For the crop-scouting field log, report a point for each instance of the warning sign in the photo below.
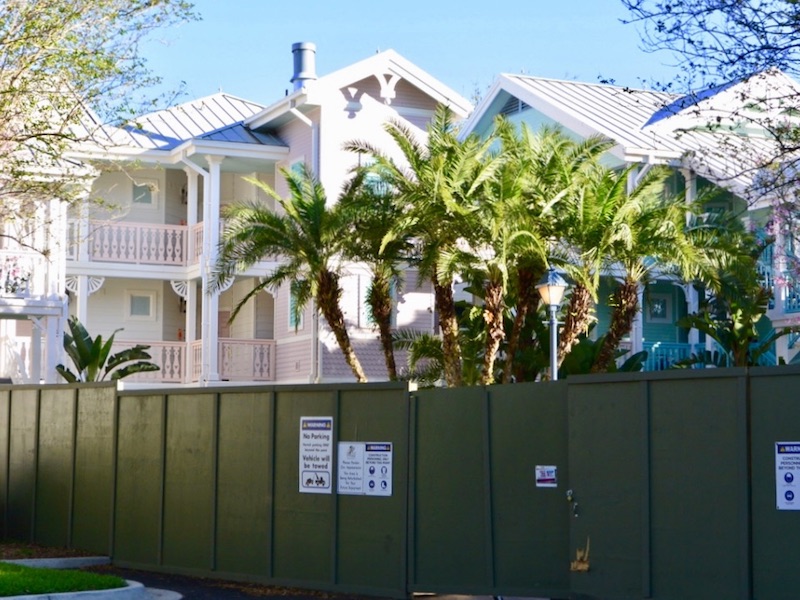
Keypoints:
(787, 472)
(365, 468)
(316, 454)
(546, 476)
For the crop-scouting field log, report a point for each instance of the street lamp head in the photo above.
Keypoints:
(552, 287)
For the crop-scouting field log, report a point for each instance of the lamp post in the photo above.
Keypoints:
(552, 287)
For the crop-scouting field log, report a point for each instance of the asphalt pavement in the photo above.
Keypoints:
(198, 588)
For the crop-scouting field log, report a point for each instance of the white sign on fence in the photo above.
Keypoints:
(316, 455)
(546, 476)
(787, 475)
(365, 468)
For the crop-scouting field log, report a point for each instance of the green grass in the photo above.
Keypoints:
(16, 580)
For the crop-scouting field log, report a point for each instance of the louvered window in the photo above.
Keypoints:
(513, 106)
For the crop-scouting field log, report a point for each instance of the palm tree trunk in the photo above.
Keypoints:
(328, 297)
(493, 315)
(527, 298)
(380, 303)
(448, 322)
(576, 321)
(626, 305)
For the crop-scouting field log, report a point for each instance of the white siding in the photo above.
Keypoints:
(243, 325)
(341, 126)
(415, 305)
(406, 95)
(282, 328)
(174, 208)
(112, 196)
(108, 310)
(298, 136)
(265, 316)
(174, 320)
(293, 361)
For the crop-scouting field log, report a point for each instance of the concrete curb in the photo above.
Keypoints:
(134, 590)
(61, 563)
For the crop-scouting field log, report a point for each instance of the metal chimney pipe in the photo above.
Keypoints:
(304, 54)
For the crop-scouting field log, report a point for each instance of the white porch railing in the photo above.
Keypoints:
(22, 273)
(247, 360)
(181, 362)
(137, 243)
(196, 364)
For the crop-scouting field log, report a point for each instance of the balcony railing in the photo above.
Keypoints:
(181, 362)
(136, 243)
(791, 297)
(662, 355)
(246, 360)
(22, 273)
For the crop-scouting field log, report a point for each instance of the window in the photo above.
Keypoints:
(659, 308)
(295, 319)
(142, 194)
(145, 193)
(141, 305)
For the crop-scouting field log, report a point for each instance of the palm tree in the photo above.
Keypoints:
(588, 238)
(502, 230)
(647, 232)
(92, 357)
(551, 166)
(307, 237)
(370, 213)
(737, 299)
(436, 191)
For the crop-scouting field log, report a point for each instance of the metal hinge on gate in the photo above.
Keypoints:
(581, 562)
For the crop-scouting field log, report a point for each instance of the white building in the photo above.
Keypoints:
(138, 254)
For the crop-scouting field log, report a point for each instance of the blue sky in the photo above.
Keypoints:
(244, 46)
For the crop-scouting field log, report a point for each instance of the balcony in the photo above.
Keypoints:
(26, 274)
(180, 362)
(662, 355)
(135, 243)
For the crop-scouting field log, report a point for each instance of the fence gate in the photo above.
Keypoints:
(478, 521)
(608, 492)
(659, 472)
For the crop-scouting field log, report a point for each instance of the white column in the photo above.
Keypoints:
(692, 307)
(83, 232)
(36, 349)
(637, 331)
(191, 208)
(54, 349)
(689, 291)
(210, 310)
(191, 312)
(82, 299)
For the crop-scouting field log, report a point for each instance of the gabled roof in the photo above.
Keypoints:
(387, 62)
(711, 132)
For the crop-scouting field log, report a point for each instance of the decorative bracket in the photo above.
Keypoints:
(180, 287)
(388, 83)
(95, 283)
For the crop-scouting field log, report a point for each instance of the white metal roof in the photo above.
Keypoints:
(218, 117)
(662, 127)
